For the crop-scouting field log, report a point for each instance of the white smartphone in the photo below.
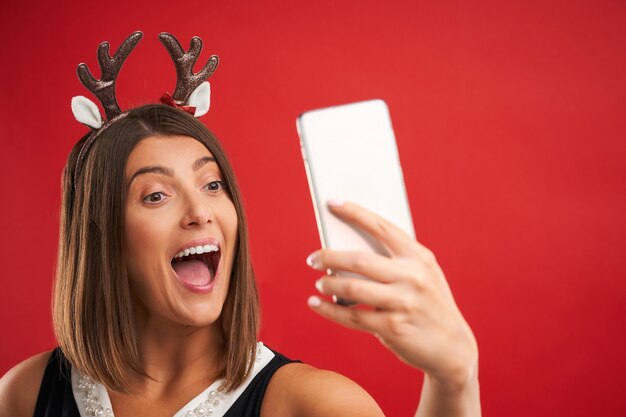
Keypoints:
(350, 154)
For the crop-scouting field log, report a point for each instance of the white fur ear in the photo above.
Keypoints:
(201, 99)
(86, 112)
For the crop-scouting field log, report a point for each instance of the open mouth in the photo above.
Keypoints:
(197, 266)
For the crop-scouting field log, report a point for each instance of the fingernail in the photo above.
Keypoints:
(314, 301)
(313, 261)
(319, 285)
(335, 202)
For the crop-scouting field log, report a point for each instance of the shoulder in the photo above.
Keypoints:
(301, 390)
(20, 386)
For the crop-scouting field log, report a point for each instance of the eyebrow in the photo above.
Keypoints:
(158, 169)
(202, 162)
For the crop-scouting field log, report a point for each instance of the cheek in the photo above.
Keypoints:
(231, 225)
(143, 240)
(228, 224)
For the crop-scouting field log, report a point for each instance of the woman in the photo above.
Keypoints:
(155, 307)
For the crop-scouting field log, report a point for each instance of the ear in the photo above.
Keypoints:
(201, 99)
(86, 112)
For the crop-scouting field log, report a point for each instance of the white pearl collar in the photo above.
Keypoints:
(93, 399)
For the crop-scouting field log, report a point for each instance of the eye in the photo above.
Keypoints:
(214, 186)
(154, 198)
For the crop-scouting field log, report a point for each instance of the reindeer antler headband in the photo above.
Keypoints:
(192, 94)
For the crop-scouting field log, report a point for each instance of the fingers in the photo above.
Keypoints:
(377, 267)
(361, 291)
(366, 320)
(396, 240)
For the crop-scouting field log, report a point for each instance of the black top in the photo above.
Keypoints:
(57, 400)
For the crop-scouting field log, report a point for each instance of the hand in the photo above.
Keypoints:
(412, 309)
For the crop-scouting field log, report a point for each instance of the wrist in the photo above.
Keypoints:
(456, 380)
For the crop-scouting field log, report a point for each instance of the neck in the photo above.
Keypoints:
(172, 355)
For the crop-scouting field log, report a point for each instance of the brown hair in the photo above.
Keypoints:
(92, 310)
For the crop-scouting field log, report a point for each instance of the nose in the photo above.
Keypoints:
(197, 212)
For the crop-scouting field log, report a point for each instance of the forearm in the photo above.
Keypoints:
(439, 399)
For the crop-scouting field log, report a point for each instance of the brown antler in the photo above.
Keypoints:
(186, 80)
(104, 88)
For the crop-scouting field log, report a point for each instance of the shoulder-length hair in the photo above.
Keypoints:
(91, 306)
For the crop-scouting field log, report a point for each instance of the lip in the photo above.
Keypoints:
(199, 289)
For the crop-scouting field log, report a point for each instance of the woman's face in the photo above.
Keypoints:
(181, 231)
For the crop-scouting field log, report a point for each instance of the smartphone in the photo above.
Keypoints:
(350, 154)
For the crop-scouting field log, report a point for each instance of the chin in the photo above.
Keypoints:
(201, 316)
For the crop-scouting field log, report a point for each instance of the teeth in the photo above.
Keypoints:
(197, 250)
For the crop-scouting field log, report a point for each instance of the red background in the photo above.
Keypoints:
(509, 117)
